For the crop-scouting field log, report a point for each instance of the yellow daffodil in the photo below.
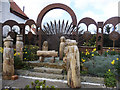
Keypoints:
(117, 58)
(15, 54)
(113, 49)
(113, 62)
(92, 54)
(107, 51)
(83, 60)
(18, 53)
(94, 49)
(25, 52)
(109, 70)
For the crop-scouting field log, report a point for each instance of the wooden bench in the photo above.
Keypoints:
(43, 54)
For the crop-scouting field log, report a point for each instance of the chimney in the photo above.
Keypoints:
(23, 8)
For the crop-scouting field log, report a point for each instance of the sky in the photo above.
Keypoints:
(99, 10)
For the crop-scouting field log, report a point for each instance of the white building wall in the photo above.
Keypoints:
(5, 13)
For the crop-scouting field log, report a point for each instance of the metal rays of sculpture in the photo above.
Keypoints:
(60, 28)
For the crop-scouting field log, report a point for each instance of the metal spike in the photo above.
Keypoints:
(67, 31)
(59, 26)
(55, 27)
(52, 28)
(49, 28)
(47, 31)
(66, 26)
(62, 27)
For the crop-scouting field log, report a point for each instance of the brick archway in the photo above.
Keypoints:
(56, 6)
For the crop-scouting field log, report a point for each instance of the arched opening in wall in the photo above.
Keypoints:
(57, 21)
(99, 30)
(107, 29)
(33, 29)
(6, 30)
(81, 29)
(117, 30)
(92, 28)
(92, 39)
(99, 47)
(16, 29)
(27, 29)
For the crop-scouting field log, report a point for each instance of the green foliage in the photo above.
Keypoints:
(107, 29)
(117, 67)
(106, 53)
(109, 79)
(37, 85)
(91, 42)
(98, 65)
(27, 87)
(112, 52)
(19, 64)
(30, 53)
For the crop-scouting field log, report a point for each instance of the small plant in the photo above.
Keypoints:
(109, 79)
(27, 87)
(37, 85)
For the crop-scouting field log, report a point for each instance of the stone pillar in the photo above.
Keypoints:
(19, 46)
(45, 46)
(61, 48)
(8, 58)
(73, 65)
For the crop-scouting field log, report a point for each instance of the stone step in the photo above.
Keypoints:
(47, 70)
(59, 76)
(92, 79)
(41, 75)
(48, 65)
(46, 75)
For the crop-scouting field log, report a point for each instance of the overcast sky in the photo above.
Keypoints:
(99, 10)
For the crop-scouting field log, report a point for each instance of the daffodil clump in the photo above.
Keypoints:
(30, 53)
(1, 49)
(87, 55)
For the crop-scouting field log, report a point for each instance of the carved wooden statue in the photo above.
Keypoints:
(19, 46)
(66, 50)
(45, 46)
(73, 65)
(61, 48)
(8, 58)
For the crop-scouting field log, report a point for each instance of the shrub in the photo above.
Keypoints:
(19, 64)
(30, 53)
(109, 79)
(98, 65)
(117, 67)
